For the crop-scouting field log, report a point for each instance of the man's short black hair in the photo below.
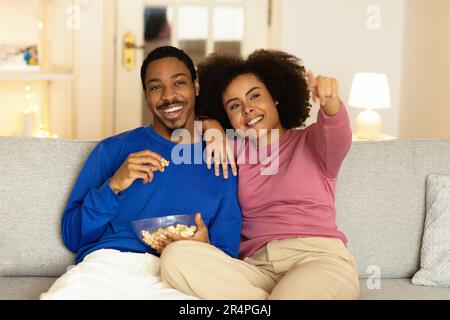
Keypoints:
(168, 52)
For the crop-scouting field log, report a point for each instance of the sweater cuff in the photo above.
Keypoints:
(110, 193)
(103, 199)
(337, 120)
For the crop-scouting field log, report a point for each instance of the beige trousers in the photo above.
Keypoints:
(289, 269)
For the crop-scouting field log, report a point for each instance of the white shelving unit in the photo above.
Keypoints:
(54, 77)
(24, 76)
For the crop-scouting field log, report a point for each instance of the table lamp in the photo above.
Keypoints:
(369, 91)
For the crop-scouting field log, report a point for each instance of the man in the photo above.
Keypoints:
(124, 179)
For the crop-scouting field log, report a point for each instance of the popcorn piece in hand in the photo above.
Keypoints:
(165, 163)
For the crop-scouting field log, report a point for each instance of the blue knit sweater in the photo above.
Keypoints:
(96, 218)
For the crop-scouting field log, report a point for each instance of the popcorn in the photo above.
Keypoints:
(181, 230)
(165, 163)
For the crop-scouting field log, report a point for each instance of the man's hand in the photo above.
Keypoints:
(139, 165)
(162, 241)
(326, 91)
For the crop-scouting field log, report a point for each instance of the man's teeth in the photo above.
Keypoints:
(258, 119)
(173, 109)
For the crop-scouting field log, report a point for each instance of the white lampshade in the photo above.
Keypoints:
(370, 91)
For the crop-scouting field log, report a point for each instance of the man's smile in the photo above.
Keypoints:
(172, 109)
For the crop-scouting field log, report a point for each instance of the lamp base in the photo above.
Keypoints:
(368, 125)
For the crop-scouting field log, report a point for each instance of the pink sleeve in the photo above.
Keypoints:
(330, 138)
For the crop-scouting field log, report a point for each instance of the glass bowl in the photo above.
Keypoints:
(148, 226)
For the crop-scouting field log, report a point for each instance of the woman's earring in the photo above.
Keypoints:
(277, 103)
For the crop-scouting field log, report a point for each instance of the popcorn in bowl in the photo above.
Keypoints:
(181, 225)
(181, 230)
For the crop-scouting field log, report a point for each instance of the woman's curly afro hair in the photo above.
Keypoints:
(283, 74)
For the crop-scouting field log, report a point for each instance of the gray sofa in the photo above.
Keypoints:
(380, 201)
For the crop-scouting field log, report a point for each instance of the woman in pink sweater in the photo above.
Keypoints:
(291, 247)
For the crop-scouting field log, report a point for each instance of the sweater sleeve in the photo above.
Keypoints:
(330, 138)
(225, 229)
(92, 203)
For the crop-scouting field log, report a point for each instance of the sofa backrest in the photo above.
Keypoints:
(36, 178)
(380, 201)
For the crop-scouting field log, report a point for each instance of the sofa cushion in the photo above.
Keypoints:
(36, 178)
(30, 288)
(402, 289)
(435, 253)
(24, 288)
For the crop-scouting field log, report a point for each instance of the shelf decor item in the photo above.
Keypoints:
(19, 57)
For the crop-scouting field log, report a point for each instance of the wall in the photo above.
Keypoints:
(257, 8)
(94, 65)
(109, 36)
(412, 48)
(332, 38)
(426, 70)
(19, 15)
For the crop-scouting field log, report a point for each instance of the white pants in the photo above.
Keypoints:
(108, 274)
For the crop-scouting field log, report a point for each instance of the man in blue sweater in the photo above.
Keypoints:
(124, 180)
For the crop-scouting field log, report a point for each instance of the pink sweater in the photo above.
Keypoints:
(299, 200)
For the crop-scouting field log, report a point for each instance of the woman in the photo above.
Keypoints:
(291, 247)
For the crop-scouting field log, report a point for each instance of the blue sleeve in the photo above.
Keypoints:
(225, 230)
(92, 203)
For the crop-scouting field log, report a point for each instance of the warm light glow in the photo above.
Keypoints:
(370, 91)
(42, 133)
(369, 125)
